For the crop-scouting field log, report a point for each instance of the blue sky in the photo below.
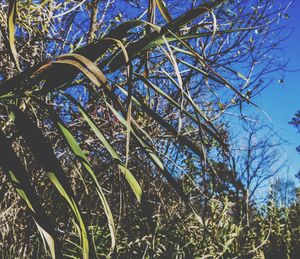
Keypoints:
(281, 101)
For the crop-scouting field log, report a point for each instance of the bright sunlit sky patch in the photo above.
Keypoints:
(281, 101)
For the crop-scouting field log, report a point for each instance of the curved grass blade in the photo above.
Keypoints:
(135, 186)
(15, 171)
(12, 11)
(163, 10)
(79, 62)
(45, 156)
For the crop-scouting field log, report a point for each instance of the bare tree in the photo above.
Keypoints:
(256, 156)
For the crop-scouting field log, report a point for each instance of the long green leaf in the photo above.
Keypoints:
(12, 11)
(135, 186)
(163, 10)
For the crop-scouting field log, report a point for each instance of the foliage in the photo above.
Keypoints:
(125, 120)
